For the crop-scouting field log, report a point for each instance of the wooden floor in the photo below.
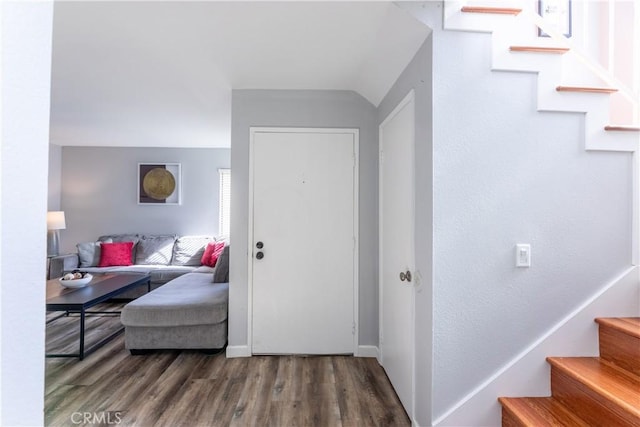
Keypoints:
(189, 388)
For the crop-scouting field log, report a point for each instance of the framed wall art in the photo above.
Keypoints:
(557, 13)
(159, 184)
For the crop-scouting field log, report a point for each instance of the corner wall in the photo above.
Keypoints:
(99, 192)
(302, 108)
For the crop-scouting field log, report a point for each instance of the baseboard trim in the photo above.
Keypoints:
(527, 374)
(238, 351)
(368, 351)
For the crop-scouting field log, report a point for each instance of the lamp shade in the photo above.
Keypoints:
(55, 220)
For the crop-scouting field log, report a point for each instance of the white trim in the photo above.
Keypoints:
(410, 97)
(356, 220)
(238, 351)
(574, 335)
(368, 351)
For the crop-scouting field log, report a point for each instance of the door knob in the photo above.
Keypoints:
(405, 276)
(259, 255)
(259, 245)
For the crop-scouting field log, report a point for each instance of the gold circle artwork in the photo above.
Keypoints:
(159, 183)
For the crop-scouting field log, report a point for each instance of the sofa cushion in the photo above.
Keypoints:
(190, 299)
(155, 250)
(120, 238)
(221, 273)
(115, 254)
(142, 269)
(89, 253)
(188, 250)
(165, 273)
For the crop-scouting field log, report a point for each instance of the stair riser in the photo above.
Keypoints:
(620, 348)
(587, 404)
(509, 420)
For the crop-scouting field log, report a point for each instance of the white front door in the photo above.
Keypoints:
(397, 257)
(303, 240)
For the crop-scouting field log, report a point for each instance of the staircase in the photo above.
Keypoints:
(588, 391)
(515, 47)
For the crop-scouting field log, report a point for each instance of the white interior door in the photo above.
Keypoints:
(397, 256)
(304, 226)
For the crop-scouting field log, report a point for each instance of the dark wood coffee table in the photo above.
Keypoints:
(79, 300)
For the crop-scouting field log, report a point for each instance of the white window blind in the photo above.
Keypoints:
(225, 202)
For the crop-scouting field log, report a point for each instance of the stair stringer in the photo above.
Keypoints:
(527, 374)
(507, 30)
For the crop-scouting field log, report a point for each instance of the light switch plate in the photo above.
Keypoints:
(523, 255)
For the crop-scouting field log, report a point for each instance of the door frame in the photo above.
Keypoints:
(410, 97)
(356, 220)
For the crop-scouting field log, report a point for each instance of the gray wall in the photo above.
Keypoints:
(99, 192)
(55, 177)
(417, 76)
(504, 174)
(339, 109)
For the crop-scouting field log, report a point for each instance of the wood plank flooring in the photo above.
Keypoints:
(189, 388)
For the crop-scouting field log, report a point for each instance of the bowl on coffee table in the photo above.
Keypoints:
(75, 283)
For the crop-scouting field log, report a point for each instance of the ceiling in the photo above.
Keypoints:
(160, 74)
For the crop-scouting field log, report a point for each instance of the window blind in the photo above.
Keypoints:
(225, 202)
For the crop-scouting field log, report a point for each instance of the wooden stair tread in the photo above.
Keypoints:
(614, 384)
(586, 89)
(495, 10)
(622, 128)
(539, 49)
(540, 411)
(628, 325)
(619, 342)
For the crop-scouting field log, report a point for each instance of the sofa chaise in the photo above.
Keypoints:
(188, 312)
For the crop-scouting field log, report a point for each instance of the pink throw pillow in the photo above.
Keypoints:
(212, 253)
(115, 254)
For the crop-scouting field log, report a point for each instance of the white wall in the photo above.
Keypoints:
(341, 109)
(505, 174)
(417, 76)
(26, 66)
(99, 192)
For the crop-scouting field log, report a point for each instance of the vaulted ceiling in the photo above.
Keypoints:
(161, 73)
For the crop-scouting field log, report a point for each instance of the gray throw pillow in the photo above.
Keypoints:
(154, 250)
(89, 253)
(221, 273)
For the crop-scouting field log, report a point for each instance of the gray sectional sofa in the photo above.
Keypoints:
(188, 304)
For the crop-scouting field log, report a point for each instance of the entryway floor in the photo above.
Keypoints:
(189, 388)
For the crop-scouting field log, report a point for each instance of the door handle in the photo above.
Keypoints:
(260, 255)
(259, 245)
(405, 276)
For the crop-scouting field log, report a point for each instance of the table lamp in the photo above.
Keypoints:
(55, 222)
